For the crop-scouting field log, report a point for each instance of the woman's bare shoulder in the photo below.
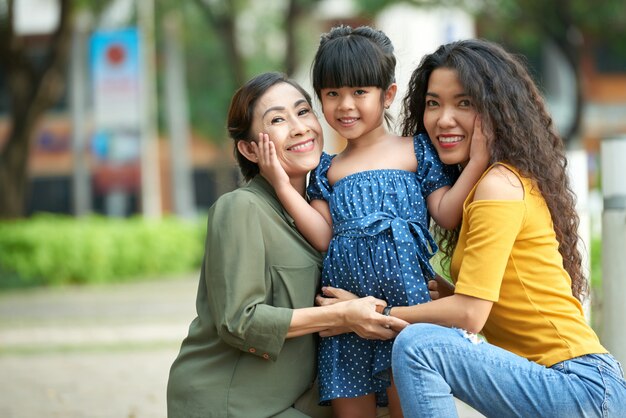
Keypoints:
(499, 183)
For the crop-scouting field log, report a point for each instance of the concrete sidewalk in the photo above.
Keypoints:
(96, 351)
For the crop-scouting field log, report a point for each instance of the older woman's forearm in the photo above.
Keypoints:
(358, 315)
(310, 320)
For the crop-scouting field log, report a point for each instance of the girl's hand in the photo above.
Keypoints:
(269, 165)
(433, 289)
(337, 294)
(438, 287)
(479, 152)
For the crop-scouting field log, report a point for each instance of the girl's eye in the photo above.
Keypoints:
(360, 92)
(331, 94)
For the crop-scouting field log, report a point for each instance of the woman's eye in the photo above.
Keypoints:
(302, 112)
(277, 119)
(431, 103)
(465, 103)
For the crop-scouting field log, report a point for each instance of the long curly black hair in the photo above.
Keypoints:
(514, 114)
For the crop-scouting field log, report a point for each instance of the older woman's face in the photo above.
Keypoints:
(286, 116)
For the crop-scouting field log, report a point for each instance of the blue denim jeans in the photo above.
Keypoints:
(433, 364)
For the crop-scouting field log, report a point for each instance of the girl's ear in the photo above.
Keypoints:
(246, 149)
(390, 94)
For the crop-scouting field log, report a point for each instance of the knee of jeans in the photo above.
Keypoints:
(417, 335)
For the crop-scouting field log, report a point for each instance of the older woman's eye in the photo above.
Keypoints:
(277, 119)
(304, 111)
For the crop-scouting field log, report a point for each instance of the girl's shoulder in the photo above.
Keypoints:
(325, 162)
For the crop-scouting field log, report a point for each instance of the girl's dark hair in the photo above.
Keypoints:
(513, 113)
(348, 57)
(241, 114)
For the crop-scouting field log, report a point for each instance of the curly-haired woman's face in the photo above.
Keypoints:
(449, 116)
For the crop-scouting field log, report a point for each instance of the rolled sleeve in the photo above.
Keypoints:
(236, 275)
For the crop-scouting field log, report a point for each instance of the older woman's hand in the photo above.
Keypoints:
(360, 316)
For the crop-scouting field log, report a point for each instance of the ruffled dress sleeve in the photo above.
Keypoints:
(431, 172)
(319, 187)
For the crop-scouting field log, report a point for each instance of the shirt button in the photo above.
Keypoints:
(252, 350)
(266, 356)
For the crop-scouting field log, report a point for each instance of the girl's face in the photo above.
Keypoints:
(355, 111)
(285, 115)
(449, 116)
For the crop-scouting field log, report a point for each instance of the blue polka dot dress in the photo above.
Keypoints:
(381, 247)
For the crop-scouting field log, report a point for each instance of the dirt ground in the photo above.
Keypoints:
(97, 351)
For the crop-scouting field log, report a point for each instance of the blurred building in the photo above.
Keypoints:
(413, 31)
(51, 160)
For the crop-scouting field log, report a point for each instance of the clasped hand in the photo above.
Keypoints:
(360, 315)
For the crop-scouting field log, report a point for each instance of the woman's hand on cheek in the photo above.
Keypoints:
(269, 166)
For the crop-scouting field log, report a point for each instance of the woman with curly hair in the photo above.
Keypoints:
(515, 261)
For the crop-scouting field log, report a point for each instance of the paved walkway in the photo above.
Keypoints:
(97, 351)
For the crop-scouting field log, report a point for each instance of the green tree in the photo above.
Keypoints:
(34, 84)
(572, 26)
(33, 88)
(218, 64)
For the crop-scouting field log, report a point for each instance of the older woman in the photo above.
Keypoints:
(251, 350)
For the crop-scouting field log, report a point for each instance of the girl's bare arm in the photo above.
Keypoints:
(312, 220)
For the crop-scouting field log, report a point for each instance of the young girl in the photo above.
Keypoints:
(372, 200)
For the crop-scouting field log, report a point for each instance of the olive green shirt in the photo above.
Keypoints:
(235, 361)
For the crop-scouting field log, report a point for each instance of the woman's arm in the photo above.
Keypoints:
(445, 205)
(458, 311)
(314, 225)
(356, 315)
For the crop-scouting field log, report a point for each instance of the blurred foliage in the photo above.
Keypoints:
(60, 250)
(209, 78)
(263, 40)
(596, 264)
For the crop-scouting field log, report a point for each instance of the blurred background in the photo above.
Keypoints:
(113, 142)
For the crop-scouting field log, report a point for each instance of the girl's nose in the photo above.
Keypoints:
(346, 102)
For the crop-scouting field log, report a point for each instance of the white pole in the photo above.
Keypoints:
(177, 119)
(613, 154)
(81, 182)
(577, 169)
(150, 173)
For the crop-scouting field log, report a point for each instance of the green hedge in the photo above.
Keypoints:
(59, 250)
